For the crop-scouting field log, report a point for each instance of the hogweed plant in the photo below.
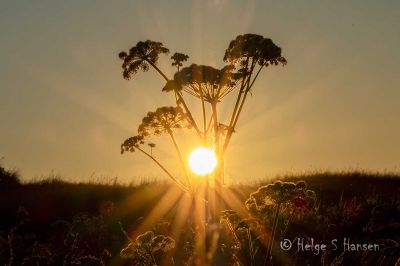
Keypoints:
(246, 56)
(290, 197)
(149, 249)
(205, 88)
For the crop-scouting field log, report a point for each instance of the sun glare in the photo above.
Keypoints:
(202, 161)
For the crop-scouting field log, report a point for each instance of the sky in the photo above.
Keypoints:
(65, 108)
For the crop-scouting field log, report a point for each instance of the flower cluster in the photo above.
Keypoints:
(178, 58)
(163, 120)
(148, 248)
(294, 196)
(131, 143)
(140, 56)
(261, 50)
(204, 81)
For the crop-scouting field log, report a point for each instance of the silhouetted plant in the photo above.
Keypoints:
(148, 249)
(163, 121)
(245, 57)
(294, 197)
(178, 58)
(134, 143)
(245, 233)
(8, 179)
(141, 56)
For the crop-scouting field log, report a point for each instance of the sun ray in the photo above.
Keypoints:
(163, 206)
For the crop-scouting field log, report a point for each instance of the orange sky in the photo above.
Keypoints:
(65, 109)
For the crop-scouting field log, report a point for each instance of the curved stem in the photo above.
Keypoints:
(192, 121)
(271, 239)
(157, 69)
(183, 187)
(178, 151)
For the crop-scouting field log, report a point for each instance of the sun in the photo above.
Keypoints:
(202, 161)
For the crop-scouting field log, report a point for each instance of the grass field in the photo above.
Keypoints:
(59, 223)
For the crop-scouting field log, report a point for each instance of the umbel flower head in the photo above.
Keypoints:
(295, 195)
(178, 58)
(146, 245)
(131, 143)
(256, 47)
(200, 80)
(140, 56)
(163, 120)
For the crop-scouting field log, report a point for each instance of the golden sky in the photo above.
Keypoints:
(65, 108)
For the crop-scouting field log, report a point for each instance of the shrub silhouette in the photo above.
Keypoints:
(8, 179)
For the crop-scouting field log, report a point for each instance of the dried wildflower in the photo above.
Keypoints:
(204, 82)
(144, 238)
(261, 50)
(178, 58)
(140, 57)
(290, 196)
(131, 143)
(146, 246)
(163, 120)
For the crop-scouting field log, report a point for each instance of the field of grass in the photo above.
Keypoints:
(59, 223)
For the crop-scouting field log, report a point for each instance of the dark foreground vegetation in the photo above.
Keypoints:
(58, 223)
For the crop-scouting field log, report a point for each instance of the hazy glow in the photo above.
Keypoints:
(299, 118)
(202, 161)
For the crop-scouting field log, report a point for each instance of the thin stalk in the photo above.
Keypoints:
(216, 131)
(209, 124)
(183, 187)
(193, 122)
(238, 100)
(239, 96)
(178, 151)
(250, 247)
(176, 99)
(218, 171)
(204, 114)
(152, 256)
(230, 227)
(258, 72)
(232, 127)
(157, 69)
(271, 240)
(245, 95)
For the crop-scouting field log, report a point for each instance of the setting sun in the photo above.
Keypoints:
(202, 161)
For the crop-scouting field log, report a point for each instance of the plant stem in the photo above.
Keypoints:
(245, 95)
(156, 68)
(218, 172)
(192, 121)
(204, 115)
(238, 97)
(271, 240)
(232, 127)
(171, 134)
(183, 187)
